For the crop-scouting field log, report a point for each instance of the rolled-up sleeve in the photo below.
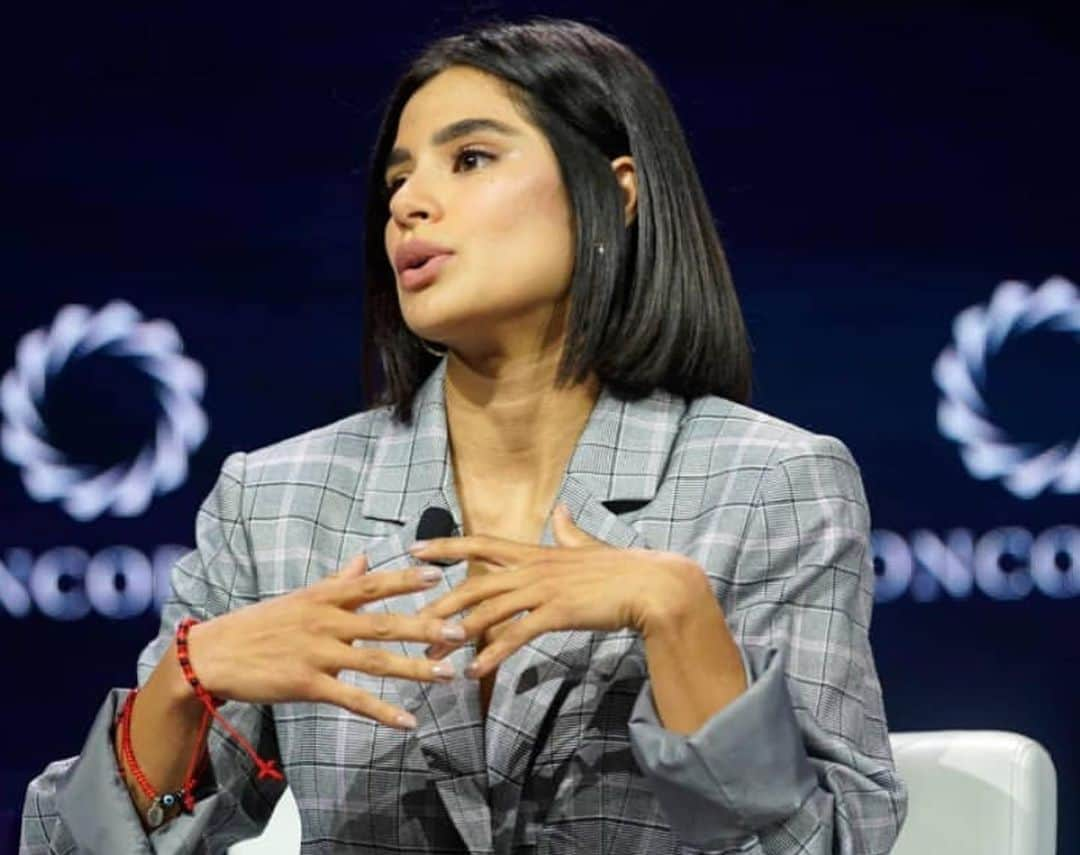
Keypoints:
(82, 804)
(801, 761)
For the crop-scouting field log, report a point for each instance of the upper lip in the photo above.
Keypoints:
(416, 251)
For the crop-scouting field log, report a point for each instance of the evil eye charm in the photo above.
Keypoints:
(155, 814)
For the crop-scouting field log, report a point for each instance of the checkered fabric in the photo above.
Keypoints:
(572, 756)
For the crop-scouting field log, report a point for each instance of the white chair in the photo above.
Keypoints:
(281, 835)
(971, 792)
(976, 792)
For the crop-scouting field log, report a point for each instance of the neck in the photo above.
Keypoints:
(511, 428)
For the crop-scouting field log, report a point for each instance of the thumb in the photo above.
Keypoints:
(566, 531)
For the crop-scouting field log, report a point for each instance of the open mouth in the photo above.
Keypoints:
(425, 272)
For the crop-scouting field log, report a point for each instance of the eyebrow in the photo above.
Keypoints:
(460, 128)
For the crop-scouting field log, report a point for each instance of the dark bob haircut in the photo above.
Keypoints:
(657, 308)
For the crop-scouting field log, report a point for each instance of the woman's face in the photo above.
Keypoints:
(496, 199)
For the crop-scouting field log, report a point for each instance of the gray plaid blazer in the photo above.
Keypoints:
(572, 757)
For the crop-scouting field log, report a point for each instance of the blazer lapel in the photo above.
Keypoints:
(450, 725)
(479, 767)
(409, 473)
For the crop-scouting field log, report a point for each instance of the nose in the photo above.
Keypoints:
(412, 202)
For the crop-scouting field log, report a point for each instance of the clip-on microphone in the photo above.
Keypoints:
(435, 521)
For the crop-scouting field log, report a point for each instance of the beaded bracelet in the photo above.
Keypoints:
(266, 767)
(182, 630)
(160, 802)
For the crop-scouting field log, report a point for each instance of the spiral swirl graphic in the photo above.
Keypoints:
(126, 489)
(960, 373)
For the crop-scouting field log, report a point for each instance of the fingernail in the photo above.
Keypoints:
(418, 545)
(431, 574)
(472, 668)
(443, 669)
(453, 632)
(406, 720)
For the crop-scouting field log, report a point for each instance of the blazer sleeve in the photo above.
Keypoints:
(801, 761)
(81, 804)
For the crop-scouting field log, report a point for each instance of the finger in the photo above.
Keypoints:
(496, 610)
(566, 531)
(498, 630)
(350, 592)
(331, 690)
(387, 626)
(379, 662)
(484, 547)
(490, 634)
(515, 634)
(444, 648)
(475, 590)
(353, 568)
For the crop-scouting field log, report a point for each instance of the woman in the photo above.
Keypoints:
(665, 593)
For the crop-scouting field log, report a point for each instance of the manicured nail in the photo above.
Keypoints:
(406, 720)
(431, 574)
(443, 669)
(418, 546)
(453, 632)
(473, 668)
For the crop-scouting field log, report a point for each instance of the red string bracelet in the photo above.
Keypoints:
(160, 802)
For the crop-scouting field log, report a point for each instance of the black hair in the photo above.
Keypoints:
(657, 308)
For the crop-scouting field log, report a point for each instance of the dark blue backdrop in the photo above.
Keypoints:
(874, 169)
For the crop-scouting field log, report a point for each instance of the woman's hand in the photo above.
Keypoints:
(292, 647)
(582, 583)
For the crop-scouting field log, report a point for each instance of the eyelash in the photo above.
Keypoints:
(390, 188)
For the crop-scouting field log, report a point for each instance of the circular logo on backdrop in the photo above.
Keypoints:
(962, 372)
(157, 465)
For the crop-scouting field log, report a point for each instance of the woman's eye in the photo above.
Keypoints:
(460, 157)
(471, 152)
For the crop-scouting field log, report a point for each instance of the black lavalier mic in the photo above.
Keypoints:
(435, 522)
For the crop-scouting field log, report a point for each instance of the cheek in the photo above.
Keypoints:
(524, 223)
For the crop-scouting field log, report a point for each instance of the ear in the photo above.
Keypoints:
(626, 175)
(566, 531)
